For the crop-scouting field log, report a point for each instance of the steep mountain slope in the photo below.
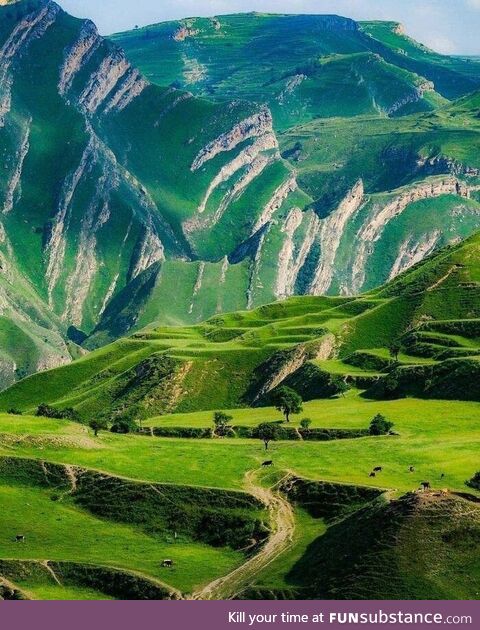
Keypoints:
(103, 178)
(306, 66)
(235, 359)
(126, 204)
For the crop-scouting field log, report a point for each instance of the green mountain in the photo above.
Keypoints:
(126, 204)
(103, 179)
(432, 311)
(306, 66)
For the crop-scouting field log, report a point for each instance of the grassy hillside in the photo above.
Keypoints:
(430, 310)
(408, 549)
(438, 440)
(301, 61)
(175, 486)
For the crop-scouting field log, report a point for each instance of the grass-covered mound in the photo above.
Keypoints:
(328, 501)
(219, 518)
(69, 580)
(422, 546)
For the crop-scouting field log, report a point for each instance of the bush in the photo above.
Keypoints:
(15, 412)
(46, 411)
(121, 427)
(474, 481)
(380, 426)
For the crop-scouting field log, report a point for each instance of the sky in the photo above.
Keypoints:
(448, 26)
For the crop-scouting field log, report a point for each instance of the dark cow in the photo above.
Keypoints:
(372, 474)
(426, 485)
(267, 464)
(20, 538)
(442, 476)
(378, 469)
(411, 469)
(167, 564)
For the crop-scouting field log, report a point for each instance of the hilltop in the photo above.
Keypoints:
(300, 62)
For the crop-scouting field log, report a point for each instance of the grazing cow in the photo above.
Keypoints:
(372, 474)
(20, 538)
(426, 485)
(442, 476)
(167, 564)
(378, 469)
(411, 469)
(267, 464)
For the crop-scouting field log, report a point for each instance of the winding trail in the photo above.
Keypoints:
(281, 539)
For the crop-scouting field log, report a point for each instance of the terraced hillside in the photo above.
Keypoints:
(111, 509)
(431, 311)
(91, 533)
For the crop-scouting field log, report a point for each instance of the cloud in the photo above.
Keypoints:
(474, 4)
(441, 44)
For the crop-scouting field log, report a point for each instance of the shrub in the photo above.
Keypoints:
(15, 412)
(380, 425)
(46, 411)
(474, 481)
(121, 427)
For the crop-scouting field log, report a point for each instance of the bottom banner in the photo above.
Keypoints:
(231, 615)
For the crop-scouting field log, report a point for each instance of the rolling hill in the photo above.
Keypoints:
(306, 66)
(318, 524)
(238, 358)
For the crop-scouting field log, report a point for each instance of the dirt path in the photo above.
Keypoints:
(52, 572)
(283, 527)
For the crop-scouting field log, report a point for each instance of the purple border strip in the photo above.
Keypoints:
(190, 615)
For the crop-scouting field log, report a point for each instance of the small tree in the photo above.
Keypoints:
(268, 432)
(122, 427)
(98, 425)
(306, 424)
(340, 385)
(380, 425)
(287, 401)
(394, 350)
(221, 421)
